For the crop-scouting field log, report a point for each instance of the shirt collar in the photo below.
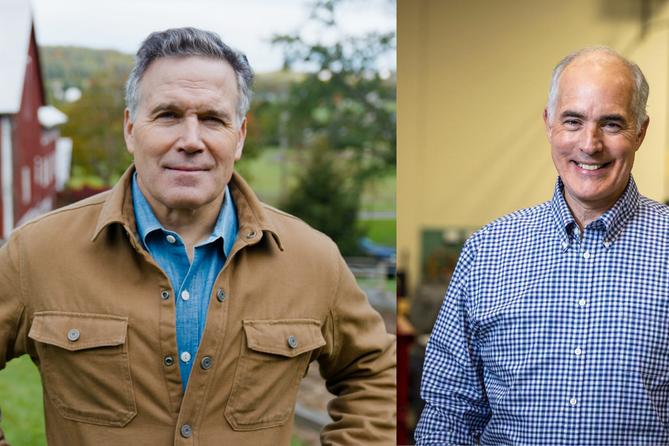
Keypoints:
(147, 222)
(612, 221)
(254, 221)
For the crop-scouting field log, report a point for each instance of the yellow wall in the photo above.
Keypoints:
(473, 77)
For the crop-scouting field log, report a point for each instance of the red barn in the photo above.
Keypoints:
(27, 145)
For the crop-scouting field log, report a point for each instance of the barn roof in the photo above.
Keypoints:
(15, 33)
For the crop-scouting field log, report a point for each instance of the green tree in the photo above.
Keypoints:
(341, 112)
(95, 124)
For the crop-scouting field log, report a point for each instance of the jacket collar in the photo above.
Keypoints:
(252, 217)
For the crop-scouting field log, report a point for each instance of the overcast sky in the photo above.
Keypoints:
(247, 25)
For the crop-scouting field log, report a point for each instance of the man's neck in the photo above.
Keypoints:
(192, 225)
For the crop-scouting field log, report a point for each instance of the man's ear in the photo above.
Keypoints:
(547, 124)
(642, 132)
(128, 127)
(240, 142)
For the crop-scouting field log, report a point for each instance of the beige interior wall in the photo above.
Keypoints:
(472, 82)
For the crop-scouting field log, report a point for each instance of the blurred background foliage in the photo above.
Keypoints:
(321, 133)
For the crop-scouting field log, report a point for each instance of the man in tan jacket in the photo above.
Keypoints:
(178, 309)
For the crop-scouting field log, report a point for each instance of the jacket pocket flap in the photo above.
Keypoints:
(78, 331)
(287, 337)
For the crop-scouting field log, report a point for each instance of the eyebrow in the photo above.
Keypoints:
(572, 114)
(208, 112)
(615, 117)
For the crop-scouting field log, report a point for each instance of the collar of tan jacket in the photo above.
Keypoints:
(255, 221)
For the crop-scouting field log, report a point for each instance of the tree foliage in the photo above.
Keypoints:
(343, 98)
(341, 113)
(95, 124)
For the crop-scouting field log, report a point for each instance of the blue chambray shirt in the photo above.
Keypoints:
(549, 335)
(192, 282)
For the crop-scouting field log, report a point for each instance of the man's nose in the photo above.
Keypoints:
(592, 139)
(191, 135)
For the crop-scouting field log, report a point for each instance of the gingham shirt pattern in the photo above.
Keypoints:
(550, 336)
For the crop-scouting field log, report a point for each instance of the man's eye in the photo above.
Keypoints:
(612, 127)
(212, 119)
(166, 115)
(571, 123)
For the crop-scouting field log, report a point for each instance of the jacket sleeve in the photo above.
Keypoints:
(359, 369)
(456, 406)
(12, 326)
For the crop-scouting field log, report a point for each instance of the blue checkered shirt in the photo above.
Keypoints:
(553, 336)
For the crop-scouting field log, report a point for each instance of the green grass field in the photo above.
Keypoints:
(21, 402)
(269, 178)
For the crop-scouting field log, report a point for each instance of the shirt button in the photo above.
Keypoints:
(582, 302)
(206, 363)
(168, 360)
(185, 295)
(292, 341)
(564, 245)
(73, 335)
(186, 431)
(164, 294)
(578, 351)
(573, 402)
(586, 255)
(170, 238)
(185, 357)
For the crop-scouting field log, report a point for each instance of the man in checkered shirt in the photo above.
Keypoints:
(555, 327)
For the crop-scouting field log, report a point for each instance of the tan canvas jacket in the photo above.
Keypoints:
(96, 314)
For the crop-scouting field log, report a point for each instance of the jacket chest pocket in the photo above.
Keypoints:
(274, 359)
(84, 366)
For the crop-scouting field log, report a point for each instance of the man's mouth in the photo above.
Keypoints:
(592, 166)
(186, 168)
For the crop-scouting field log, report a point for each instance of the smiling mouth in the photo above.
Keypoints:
(592, 166)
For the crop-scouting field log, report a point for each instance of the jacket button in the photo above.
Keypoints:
(220, 294)
(292, 341)
(168, 360)
(206, 363)
(251, 234)
(73, 335)
(186, 431)
(164, 294)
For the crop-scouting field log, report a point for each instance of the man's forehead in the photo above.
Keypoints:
(190, 72)
(597, 67)
(600, 78)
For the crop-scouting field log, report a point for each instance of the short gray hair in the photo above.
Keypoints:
(639, 94)
(185, 42)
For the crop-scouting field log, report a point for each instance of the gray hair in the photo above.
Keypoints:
(639, 94)
(185, 42)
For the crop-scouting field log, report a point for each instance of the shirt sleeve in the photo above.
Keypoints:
(359, 369)
(456, 409)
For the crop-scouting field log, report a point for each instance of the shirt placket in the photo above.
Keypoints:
(584, 258)
(188, 319)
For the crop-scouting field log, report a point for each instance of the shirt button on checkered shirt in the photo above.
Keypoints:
(553, 336)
